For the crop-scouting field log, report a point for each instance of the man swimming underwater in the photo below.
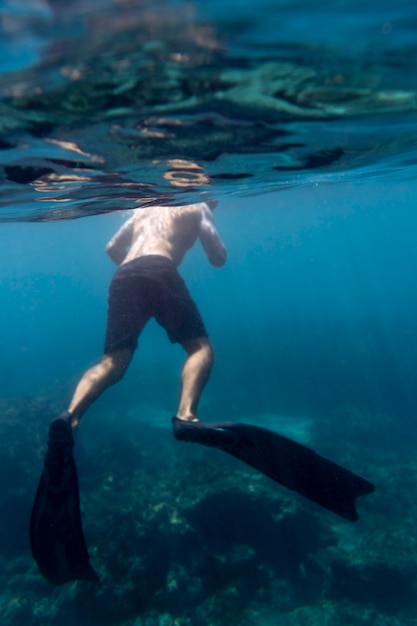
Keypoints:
(148, 248)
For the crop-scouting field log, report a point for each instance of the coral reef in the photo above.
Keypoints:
(181, 535)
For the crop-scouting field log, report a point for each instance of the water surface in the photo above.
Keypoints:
(113, 105)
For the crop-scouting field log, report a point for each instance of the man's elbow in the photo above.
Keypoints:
(109, 247)
(113, 254)
(219, 259)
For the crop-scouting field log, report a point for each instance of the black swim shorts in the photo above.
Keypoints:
(149, 286)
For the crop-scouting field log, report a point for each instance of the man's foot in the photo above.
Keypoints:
(59, 450)
(188, 418)
(288, 462)
(56, 534)
(214, 435)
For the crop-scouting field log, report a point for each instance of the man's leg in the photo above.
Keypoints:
(195, 373)
(96, 380)
(56, 533)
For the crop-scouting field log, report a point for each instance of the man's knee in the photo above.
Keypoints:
(113, 366)
(201, 346)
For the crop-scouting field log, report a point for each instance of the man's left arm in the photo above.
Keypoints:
(117, 246)
(213, 245)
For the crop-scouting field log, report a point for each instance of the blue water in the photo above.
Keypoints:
(312, 318)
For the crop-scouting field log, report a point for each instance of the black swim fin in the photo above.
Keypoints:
(291, 464)
(56, 534)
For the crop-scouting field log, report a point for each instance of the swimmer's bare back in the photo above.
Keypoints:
(167, 231)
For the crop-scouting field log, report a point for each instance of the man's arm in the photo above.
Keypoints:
(117, 246)
(213, 246)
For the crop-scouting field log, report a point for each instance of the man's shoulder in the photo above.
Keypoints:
(171, 214)
(193, 212)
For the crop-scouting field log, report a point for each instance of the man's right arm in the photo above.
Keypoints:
(213, 246)
(117, 246)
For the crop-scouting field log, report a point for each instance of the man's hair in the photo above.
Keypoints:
(212, 204)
